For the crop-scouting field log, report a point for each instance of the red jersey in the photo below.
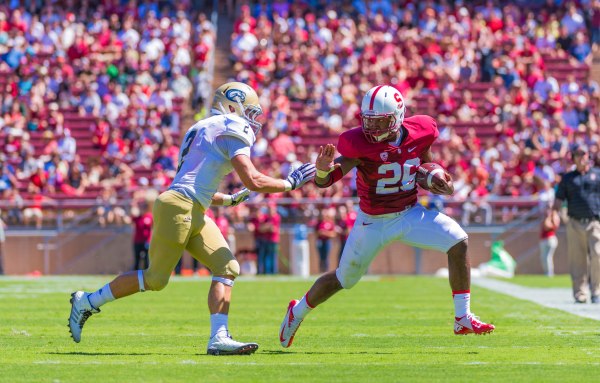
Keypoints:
(325, 226)
(273, 234)
(143, 228)
(386, 173)
(347, 223)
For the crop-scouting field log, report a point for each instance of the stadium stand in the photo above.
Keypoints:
(92, 97)
(509, 84)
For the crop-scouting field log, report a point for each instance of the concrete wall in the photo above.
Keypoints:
(107, 252)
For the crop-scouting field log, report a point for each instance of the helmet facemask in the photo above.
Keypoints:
(250, 114)
(379, 127)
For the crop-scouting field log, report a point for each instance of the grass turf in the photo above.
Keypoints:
(563, 280)
(387, 330)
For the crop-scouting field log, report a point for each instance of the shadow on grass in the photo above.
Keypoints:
(107, 353)
(287, 352)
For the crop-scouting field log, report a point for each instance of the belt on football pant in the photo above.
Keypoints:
(389, 215)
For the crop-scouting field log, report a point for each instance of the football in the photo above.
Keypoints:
(427, 172)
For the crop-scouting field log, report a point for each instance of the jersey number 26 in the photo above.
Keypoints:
(402, 176)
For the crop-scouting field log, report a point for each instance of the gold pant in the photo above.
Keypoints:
(180, 224)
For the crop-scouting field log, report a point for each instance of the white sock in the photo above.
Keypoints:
(302, 308)
(102, 296)
(462, 302)
(218, 323)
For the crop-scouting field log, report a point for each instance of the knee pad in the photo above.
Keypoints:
(222, 262)
(156, 282)
(232, 268)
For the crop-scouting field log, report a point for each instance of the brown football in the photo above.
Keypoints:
(427, 172)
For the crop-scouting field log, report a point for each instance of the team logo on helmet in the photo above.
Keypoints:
(384, 156)
(235, 95)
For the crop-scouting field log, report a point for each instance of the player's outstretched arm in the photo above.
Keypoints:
(222, 199)
(328, 174)
(259, 182)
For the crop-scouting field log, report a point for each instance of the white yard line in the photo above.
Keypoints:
(556, 298)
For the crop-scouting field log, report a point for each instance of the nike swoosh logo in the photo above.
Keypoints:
(281, 338)
(367, 223)
(411, 149)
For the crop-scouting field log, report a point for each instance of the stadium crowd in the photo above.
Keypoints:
(508, 84)
(91, 97)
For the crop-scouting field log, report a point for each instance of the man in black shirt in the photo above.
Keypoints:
(581, 189)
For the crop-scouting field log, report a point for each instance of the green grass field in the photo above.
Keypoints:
(383, 330)
(563, 280)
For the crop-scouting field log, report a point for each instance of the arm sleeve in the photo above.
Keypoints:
(231, 146)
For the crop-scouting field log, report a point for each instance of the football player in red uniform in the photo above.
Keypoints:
(387, 151)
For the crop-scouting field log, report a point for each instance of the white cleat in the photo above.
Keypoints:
(289, 326)
(81, 310)
(223, 344)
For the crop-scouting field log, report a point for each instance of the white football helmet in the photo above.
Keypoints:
(239, 98)
(381, 113)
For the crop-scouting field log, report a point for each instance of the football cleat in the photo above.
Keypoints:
(223, 344)
(470, 324)
(81, 310)
(289, 326)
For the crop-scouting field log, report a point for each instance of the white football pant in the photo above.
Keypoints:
(416, 226)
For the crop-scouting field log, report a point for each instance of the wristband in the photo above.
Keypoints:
(323, 173)
(227, 200)
(287, 185)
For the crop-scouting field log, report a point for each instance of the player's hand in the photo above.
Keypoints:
(325, 157)
(301, 175)
(438, 186)
(239, 197)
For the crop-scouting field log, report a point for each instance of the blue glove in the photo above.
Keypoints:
(302, 175)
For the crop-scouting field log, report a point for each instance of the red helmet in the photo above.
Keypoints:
(382, 113)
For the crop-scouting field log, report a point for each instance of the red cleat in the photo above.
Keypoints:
(289, 326)
(470, 324)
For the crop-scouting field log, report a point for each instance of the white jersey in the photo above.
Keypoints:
(206, 153)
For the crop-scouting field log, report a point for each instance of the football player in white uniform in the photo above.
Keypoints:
(212, 148)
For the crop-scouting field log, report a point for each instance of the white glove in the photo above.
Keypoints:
(302, 175)
(236, 198)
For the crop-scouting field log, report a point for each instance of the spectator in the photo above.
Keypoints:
(14, 215)
(476, 203)
(35, 210)
(580, 189)
(326, 231)
(66, 145)
(7, 178)
(581, 49)
(346, 220)
(549, 241)
(142, 223)
(269, 228)
(107, 211)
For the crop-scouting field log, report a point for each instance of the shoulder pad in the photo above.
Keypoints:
(348, 142)
(238, 127)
